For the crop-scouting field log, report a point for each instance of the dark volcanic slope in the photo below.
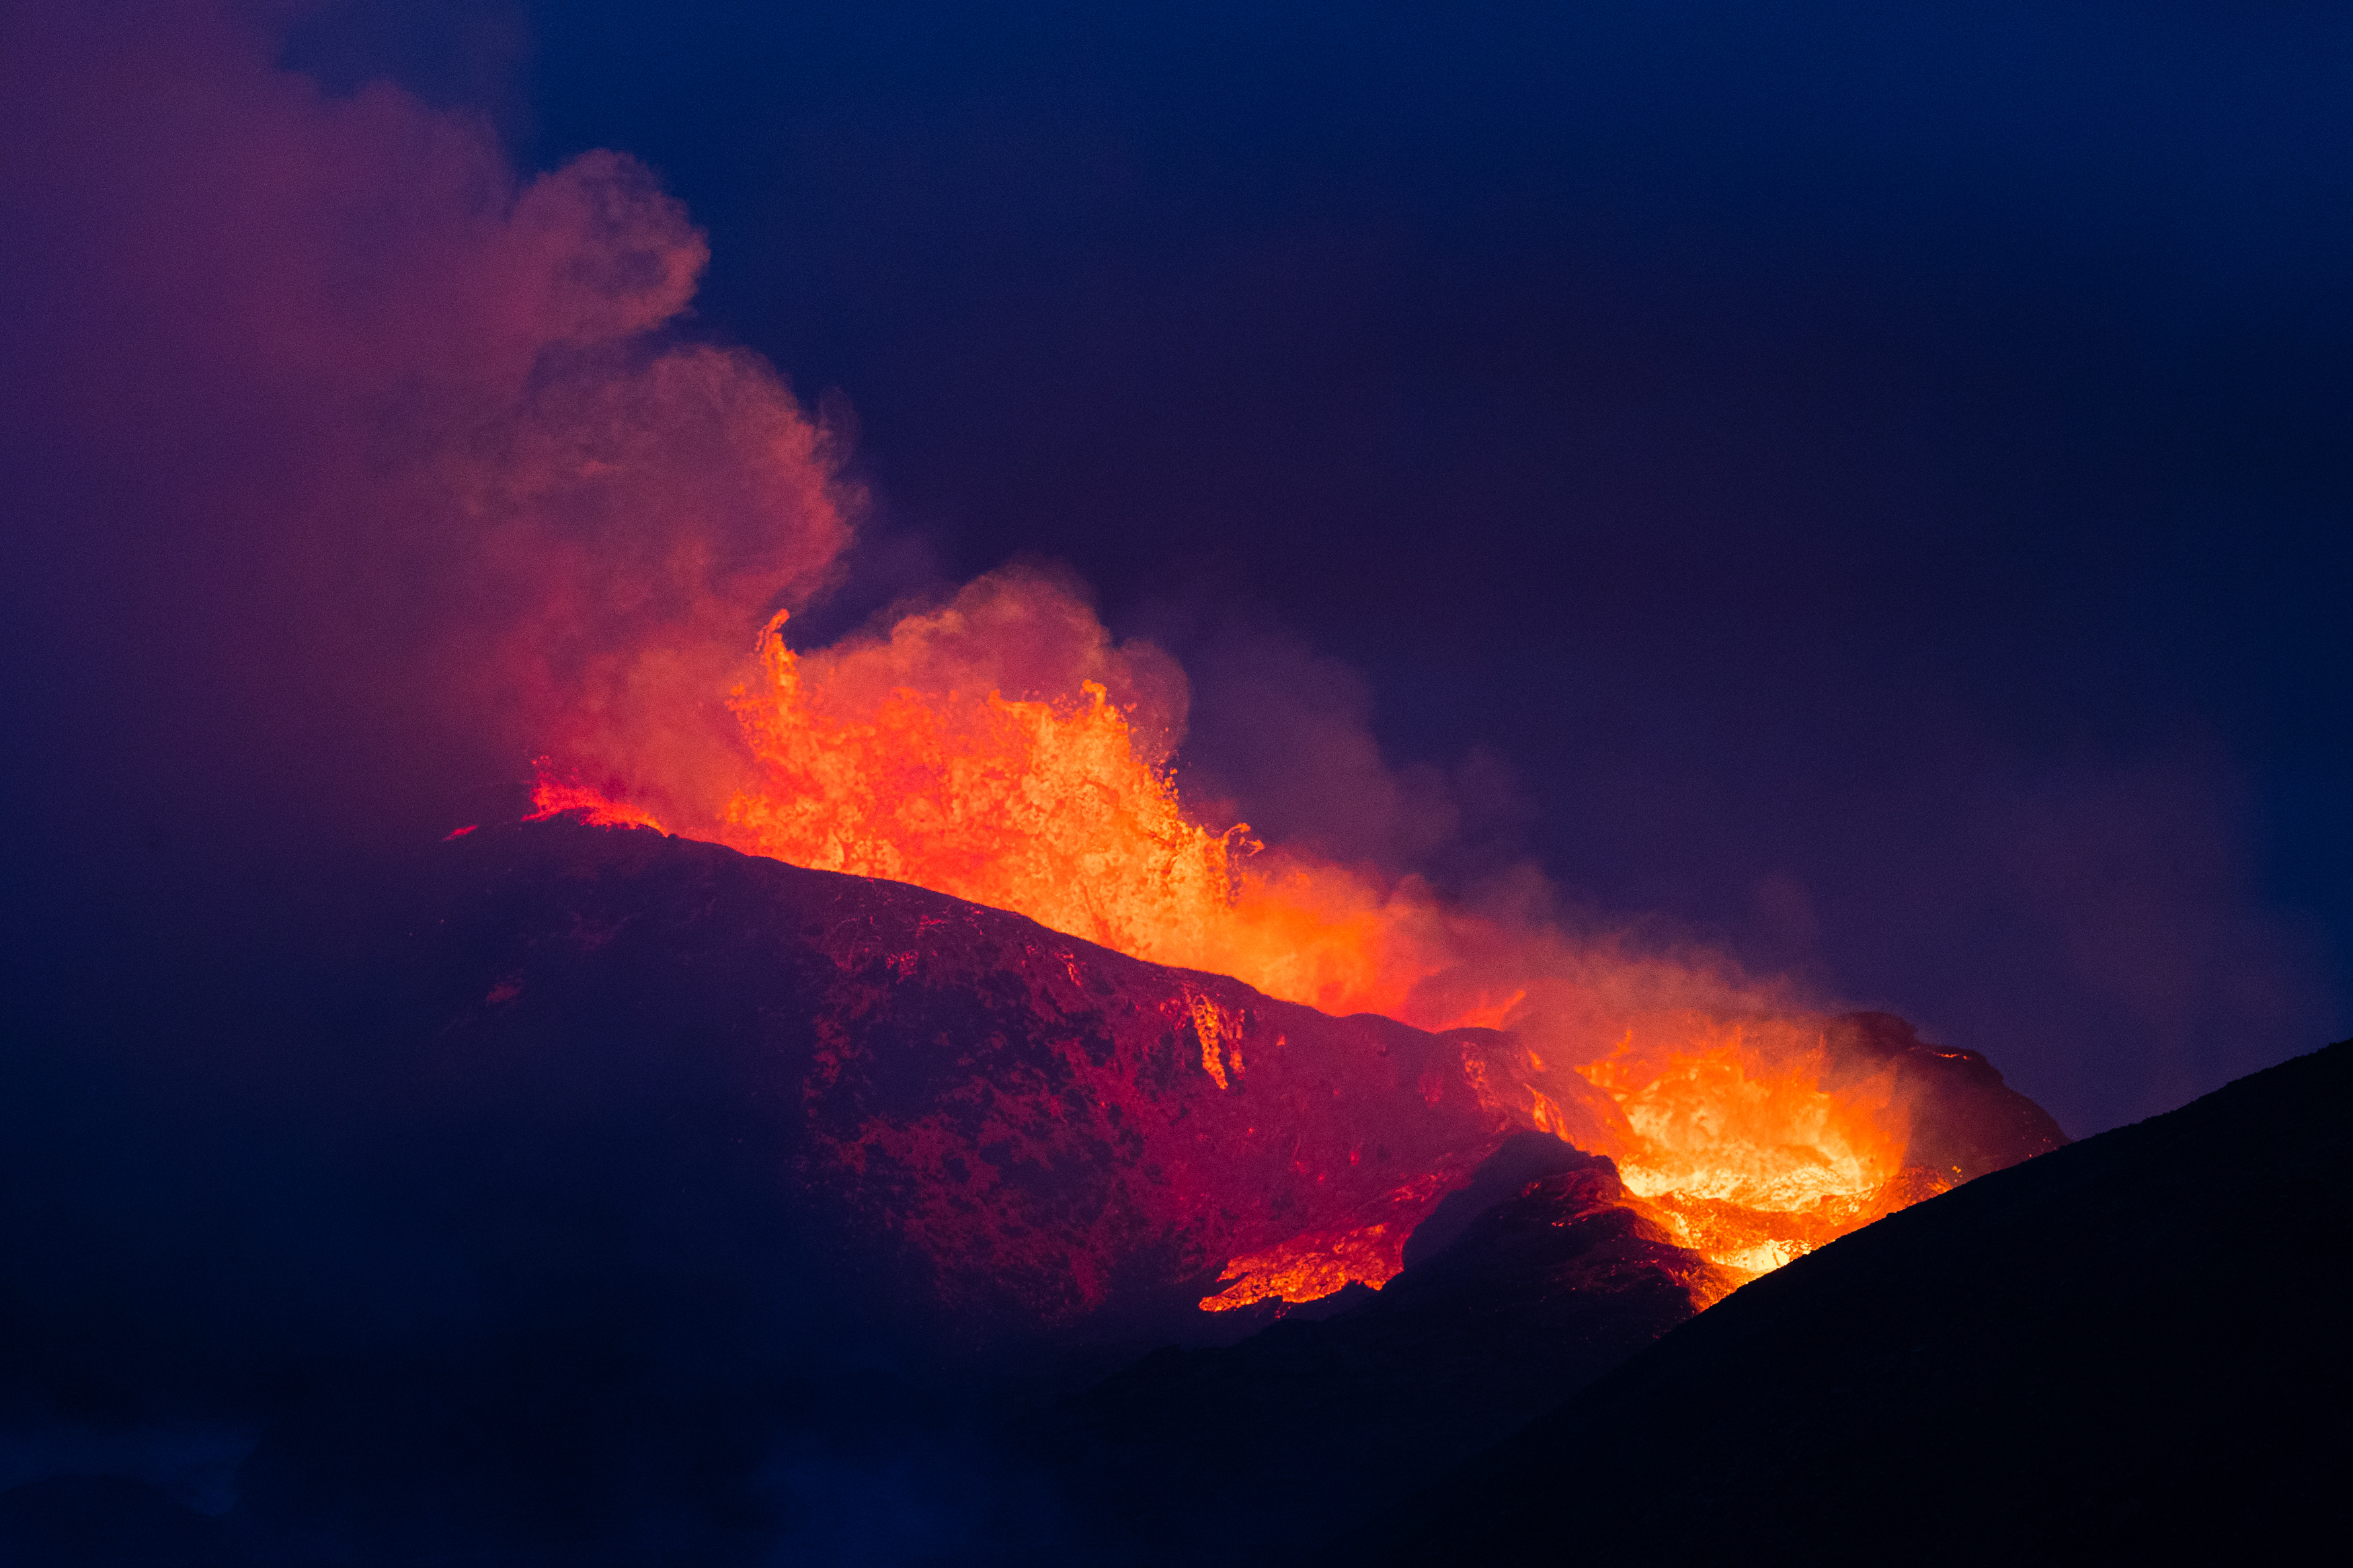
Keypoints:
(1547, 1278)
(1011, 1134)
(626, 1199)
(604, 1197)
(2131, 1348)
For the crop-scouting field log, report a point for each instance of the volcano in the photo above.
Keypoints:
(631, 1196)
(1022, 1138)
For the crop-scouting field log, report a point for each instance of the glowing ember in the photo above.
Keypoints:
(1367, 1250)
(552, 796)
(1050, 808)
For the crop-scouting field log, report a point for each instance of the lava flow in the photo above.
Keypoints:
(1728, 1116)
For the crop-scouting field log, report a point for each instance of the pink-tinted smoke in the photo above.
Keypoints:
(370, 466)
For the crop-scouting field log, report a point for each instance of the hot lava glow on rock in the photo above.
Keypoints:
(1731, 1120)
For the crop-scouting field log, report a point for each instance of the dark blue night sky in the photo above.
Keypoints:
(1866, 491)
(1879, 482)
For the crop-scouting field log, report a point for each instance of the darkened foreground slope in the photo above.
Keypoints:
(1261, 1451)
(603, 1197)
(598, 1196)
(2131, 1349)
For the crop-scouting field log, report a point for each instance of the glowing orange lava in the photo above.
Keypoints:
(1048, 808)
(1369, 1248)
(1045, 808)
(1754, 1158)
(552, 796)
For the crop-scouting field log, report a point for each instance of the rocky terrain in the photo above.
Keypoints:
(2130, 1349)
(597, 1197)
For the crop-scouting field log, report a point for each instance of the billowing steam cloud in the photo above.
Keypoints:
(1023, 631)
(423, 482)
(368, 468)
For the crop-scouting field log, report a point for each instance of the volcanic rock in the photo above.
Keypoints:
(607, 1197)
(1546, 1275)
(2131, 1349)
(1964, 1122)
(1004, 1135)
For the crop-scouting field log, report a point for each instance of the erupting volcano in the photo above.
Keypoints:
(1287, 871)
(1753, 1130)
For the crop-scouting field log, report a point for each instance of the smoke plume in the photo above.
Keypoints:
(356, 468)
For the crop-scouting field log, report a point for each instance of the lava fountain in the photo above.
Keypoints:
(1731, 1114)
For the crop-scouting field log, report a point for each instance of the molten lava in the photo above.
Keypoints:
(1319, 1262)
(1752, 1156)
(1046, 808)
(1738, 1132)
